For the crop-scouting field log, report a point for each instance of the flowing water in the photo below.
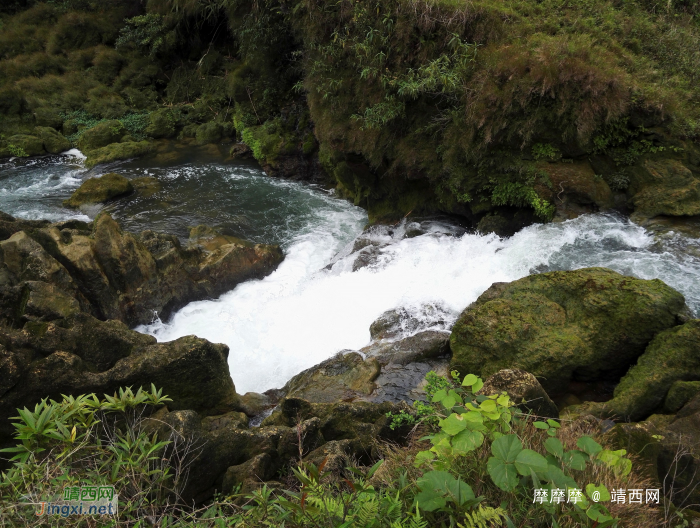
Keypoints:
(336, 279)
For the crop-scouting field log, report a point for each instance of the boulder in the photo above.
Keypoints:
(680, 393)
(117, 152)
(101, 135)
(116, 275)
(664, 187)
(24, 145)
(342, 377)
(672, 356)
(10, 225)
(575, 189)
(54, 142)
(100, 190)
(524, 390)
(424, 345)
(586, 325)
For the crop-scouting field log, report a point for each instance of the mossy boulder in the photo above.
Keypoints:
(680, 393)
(584, 325)
(24, 145)
(162, 124)
(672, 356)
(664, 187)
(101, 135)
(117, 151)
(54, 141)
(100, 190)
(209, 133)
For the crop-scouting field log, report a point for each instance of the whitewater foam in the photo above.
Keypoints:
(303, 313)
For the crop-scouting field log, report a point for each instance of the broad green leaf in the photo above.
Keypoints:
(469, 380)
(554, 446)
(540, 425)
(590, 446)
(449, 401)
(424, 457)
(504, 475)
(557, 477)
(460, 491)
(504, 400)
(467, 441)
(598, 513)
(507, 447)
(440, 481)
(528, 461)
(488, 406)
(453, 424)
(477, 386)
(430, 501)
(439, 395)
(624, 466)
(553, 423)
(603, 495)
(473, 417)
(575, 459)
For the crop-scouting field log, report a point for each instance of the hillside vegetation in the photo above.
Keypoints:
(409, 105)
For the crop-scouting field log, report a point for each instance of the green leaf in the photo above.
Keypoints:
(453, 424)
(460, 492)
(602, 491)
(504, 475)
(507, 447)
(575, 459)
(554, 446)
(598, 513)
(424, 457)
(540, 425)
(430, 501)
(590, 446)
(477, 386)
(489, 406)
(553, 423)
(528, 461)
(467, 441)
(439, 395)
(469, 380)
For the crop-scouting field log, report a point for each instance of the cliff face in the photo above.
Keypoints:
(509, 111)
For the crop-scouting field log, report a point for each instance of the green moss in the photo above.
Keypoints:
(672, 356)
(680, 393)
(590, 323)
(118, 151)
(100, 190)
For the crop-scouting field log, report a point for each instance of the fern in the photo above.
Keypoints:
(484, 517)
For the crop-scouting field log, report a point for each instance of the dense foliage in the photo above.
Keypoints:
(478, 465)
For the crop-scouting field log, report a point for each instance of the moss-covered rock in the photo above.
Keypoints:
(680, 393)
(101, 135)
(100, 190)
(48, 117)
(672, 356)
(585, 325)
(664, 187)
(209, 133)
(117, 151)
(54, 142)
(24, 145)
(162, 124)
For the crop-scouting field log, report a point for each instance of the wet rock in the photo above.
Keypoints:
(575, 189)
(664, 187)
(240, 151)
(400, 321)
(45, 302)
(117, 152)
(253, 403)
(10, 225)
(100, 190)
(494, 224)
(587, 325)
(342, 377)
(54, 142)
(116, 275)
(421, 346)
(406, 383)
(524, 390)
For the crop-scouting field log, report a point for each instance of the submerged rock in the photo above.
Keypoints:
(100, 190)
(587, 325)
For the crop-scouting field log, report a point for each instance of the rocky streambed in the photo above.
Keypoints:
(347, 322)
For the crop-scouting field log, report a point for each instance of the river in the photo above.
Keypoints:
(314, 304)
